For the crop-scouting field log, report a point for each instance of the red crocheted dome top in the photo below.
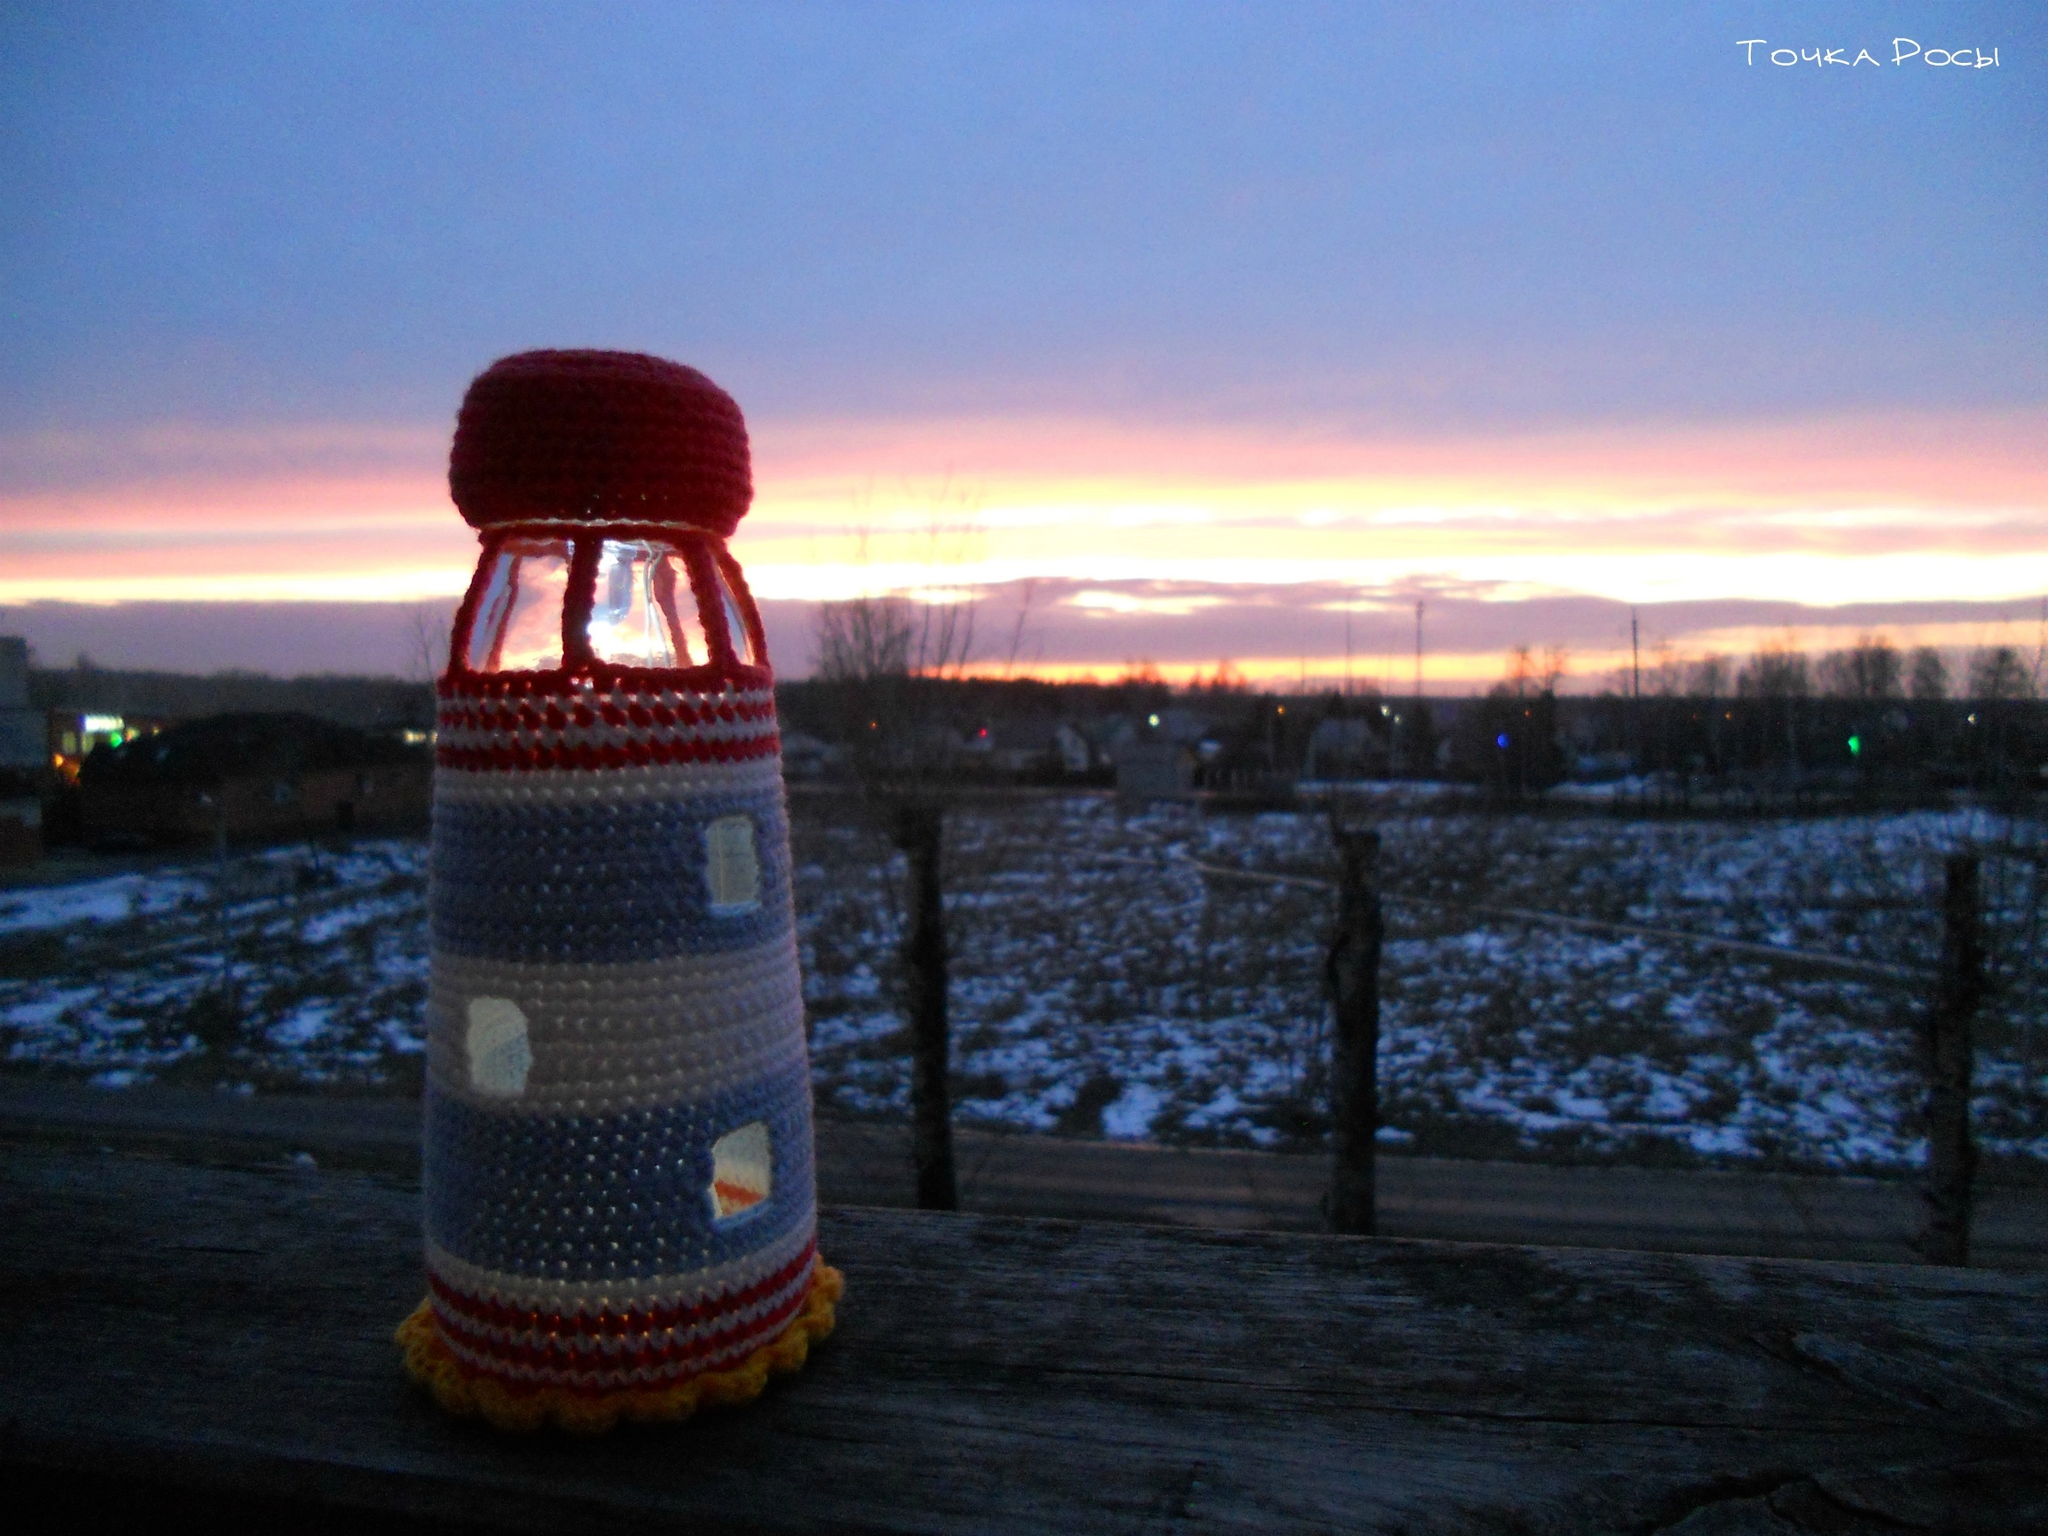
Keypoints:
(599, 437)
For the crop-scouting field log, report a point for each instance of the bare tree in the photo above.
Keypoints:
(1667, 671)
(1999, 678)
(892, 658)
(1869, 669)
(427, 630)
(1521, 678)
(1777, 671)
(1556, 659)
(1997, 673)
(1024, 603)
(1707, 678)
(1929, 675)
(865, 638)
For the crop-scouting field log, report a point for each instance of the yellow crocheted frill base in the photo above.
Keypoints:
(463, 1391)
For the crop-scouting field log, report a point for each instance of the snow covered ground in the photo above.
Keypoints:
(288, 967)
(1104, 984)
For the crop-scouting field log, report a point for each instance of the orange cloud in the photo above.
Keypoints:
(1875, 508)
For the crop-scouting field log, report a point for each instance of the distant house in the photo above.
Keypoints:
(21, 826)
(252, 776)
(1154, 764)
(1345, 747)
(1076, 756)
(1109, 736)
(1154, 769)
(1037, 748)
(21, 728)
(1182, 725)
(1155, 755)
(22, 761)
(70, 737)
(804, 756)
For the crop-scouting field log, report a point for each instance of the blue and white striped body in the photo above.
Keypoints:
(614, 1003)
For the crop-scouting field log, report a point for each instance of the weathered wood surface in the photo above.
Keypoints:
(867, 1163)
(219, 1339)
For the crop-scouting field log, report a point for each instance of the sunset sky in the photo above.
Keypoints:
(1165, 332)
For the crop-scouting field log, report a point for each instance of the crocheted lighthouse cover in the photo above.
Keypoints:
(619, 1201)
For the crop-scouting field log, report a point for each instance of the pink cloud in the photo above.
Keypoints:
(1898, 506)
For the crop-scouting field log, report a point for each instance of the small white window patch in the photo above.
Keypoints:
(742, 1173)
(500, 1055)
(732, 869)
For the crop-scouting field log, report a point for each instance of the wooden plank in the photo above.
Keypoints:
(868, 1163)
(223, 1335)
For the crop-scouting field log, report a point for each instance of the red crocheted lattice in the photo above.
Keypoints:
(600, 437)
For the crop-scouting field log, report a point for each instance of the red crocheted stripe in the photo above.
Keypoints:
(591, 757)
(489, 1312)
(520, 1365)
(597, 1369)
(709, 681)
(590, 711)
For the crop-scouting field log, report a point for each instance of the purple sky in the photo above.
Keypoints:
(1289, 309)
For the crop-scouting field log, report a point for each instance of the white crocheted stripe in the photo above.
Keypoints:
(590, 1297)
(606, 1038)
(573, 786)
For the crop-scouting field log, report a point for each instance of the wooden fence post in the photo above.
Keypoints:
(1945, 1059)
(918, 834)
(1352, 975)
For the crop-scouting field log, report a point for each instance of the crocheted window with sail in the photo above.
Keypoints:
(620, 1203)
